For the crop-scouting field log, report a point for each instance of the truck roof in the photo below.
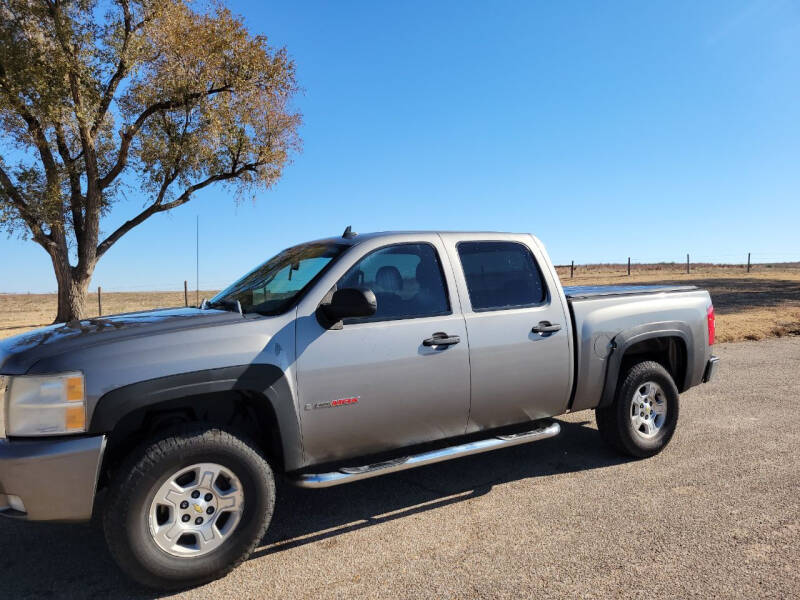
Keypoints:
(360, 237)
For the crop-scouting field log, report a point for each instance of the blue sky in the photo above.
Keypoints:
(608, 129)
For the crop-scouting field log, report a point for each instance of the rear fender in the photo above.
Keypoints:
(623, 341)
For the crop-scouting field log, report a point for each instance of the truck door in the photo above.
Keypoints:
(377, 384)
(518, 335)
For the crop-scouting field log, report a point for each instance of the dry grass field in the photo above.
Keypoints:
(749, 306)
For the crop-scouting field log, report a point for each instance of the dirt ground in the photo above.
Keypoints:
(749, 306)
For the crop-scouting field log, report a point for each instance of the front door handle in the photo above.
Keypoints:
(440, 338)
(545, 327)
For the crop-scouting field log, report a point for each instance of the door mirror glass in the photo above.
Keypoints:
(349, 302)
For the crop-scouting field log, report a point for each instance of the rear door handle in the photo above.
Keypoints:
(440, 338)
(546, 327)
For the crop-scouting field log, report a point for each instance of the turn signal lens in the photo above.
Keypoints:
(75, 419)
(75, 389)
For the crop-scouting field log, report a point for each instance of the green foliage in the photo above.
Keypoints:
(172, 95)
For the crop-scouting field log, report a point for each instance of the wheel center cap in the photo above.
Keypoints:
(198, 508)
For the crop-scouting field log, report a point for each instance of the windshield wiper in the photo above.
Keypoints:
(231, 305)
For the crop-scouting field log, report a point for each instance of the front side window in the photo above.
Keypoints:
(275, 285)
(501, 275)
(406, 279)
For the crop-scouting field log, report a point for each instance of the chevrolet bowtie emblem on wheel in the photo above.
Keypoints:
(333, 403)
(198, 508)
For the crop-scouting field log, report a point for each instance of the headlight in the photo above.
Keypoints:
(45, 404)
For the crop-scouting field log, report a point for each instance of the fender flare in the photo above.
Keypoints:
(625, 339)
(264, 379)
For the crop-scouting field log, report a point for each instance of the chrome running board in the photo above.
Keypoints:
(348, 474)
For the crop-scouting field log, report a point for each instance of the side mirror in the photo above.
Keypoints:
(347, 303)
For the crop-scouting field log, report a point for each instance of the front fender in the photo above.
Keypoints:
(264, 379)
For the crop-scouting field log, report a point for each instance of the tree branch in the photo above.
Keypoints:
(130, 132)
(35, 129)
(120, 72)
(24, 210)
(74, 180)
(158, 206)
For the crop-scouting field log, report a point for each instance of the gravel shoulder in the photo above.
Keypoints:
(716, 514)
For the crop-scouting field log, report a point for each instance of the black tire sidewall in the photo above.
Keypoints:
(154, 567)
(638, 375)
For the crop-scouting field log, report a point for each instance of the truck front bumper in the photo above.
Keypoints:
(50, 479)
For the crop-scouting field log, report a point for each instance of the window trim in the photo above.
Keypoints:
(545, 300)
(373, 319)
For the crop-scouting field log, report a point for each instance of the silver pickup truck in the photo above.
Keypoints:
(334, 361)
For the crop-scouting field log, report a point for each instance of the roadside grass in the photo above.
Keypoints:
(749, 306)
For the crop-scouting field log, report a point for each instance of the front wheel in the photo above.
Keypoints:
(187, 507)
(641, 420)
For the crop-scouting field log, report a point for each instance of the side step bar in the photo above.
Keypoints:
(348, 474)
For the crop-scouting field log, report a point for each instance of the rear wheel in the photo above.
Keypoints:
(641, 420)
(188, 506)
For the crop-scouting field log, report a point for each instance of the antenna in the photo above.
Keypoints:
(349, 233)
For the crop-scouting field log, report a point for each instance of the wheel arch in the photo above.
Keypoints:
(669, 343)
(254, 398)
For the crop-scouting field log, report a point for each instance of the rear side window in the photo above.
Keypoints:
(501, 275)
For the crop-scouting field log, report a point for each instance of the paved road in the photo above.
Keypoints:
(717, 514)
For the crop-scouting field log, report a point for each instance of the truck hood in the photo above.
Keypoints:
(19, 353)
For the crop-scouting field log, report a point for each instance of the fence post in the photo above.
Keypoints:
(629, 265)
(748, 262)
(185, 293)
(687, 264)
(99, 301)
(572, 270)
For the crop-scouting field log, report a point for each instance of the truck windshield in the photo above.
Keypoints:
(273, 286)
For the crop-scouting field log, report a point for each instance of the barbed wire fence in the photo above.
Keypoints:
(690, 263)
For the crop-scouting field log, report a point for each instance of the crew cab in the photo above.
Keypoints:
(336, 360)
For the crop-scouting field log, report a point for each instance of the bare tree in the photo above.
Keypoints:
(156, 96)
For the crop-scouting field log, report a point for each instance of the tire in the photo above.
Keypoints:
(145, 516)
(642, 419)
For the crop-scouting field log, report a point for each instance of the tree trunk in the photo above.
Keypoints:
(73, 287)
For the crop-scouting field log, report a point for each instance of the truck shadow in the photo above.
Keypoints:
(305, 516)
(735, 294)
(60, 560)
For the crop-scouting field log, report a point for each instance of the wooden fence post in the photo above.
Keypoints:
(572, 270)
(185, 293)
(99, 301)
(748, 262)
(629, 265)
